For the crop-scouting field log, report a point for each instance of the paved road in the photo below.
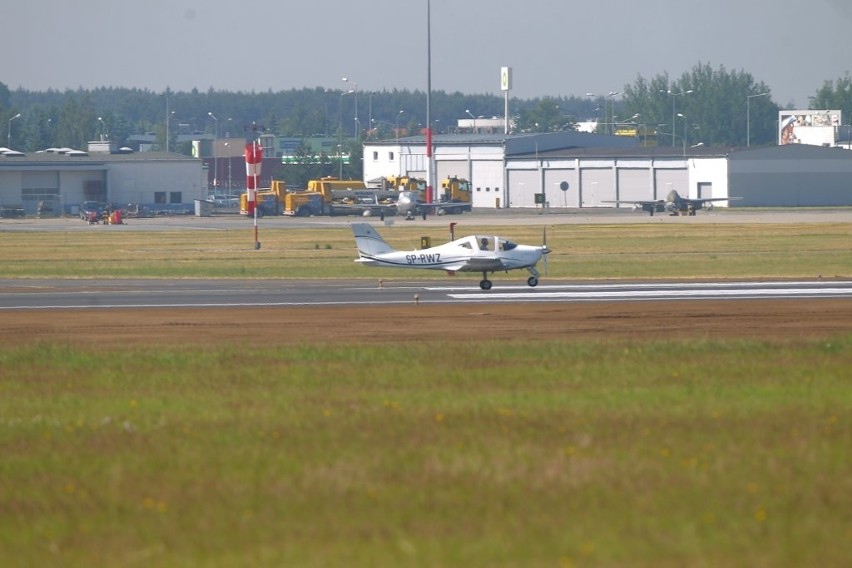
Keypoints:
(114, 294)
(503, 217)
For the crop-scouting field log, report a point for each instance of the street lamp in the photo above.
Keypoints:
(397, 124)
(612, 95)
(215, 136)
(355, 91)
(340, 133)
(672, 94)
(474, 119)
(228, 153)
(748, 116)
(103, 128)
(685, 129)
(9, 137)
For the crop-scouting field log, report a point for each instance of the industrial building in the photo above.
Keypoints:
(57, 180)
(572, 169)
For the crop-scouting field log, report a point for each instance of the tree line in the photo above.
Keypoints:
(712, 106)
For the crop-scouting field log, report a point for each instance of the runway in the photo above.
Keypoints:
(116, 294)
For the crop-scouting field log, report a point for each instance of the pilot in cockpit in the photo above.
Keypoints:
(483, 243)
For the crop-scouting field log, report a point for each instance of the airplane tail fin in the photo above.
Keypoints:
(368, 241)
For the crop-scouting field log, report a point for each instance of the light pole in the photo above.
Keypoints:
(612, 95)
(103, 128)
(748, 116)
(397, 125)
(597, 109)
(685, 129)
(340, 133)
(228, 152)
(370, 112)
(168, 120)
(355, 91)
(9, 137)
(672, 94)
(215, 136)
(474, 119)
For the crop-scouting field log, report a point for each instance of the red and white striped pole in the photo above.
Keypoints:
(254, 160)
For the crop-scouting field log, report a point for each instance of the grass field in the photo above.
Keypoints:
(579, 251)
(637, 453)
(523, 453)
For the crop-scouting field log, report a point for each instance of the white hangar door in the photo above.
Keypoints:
(668, 180)
(447, 168)
(596, 186)
(553, 179)
(634, 184)
(40, 193)
(523, 185)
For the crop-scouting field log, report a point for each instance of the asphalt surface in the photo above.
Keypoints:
(502, 217)
(49, 294)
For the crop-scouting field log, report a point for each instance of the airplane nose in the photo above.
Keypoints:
(545, 250)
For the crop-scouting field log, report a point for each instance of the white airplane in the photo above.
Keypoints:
(475, 253)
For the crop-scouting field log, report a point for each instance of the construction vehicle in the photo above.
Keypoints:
(455, 190)
(269, 201)
(453, 197)
(406, 183)
(332, 196)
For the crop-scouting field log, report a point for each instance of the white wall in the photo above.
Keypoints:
(709, 170)
(136, 182)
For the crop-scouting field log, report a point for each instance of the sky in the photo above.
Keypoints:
(554, 47)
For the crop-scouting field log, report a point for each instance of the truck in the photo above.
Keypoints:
(332, 196)
(269, 201)
(453, 196)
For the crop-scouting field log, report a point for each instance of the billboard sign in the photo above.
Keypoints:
(816, 127)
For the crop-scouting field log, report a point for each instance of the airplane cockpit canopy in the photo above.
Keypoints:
(489, 243)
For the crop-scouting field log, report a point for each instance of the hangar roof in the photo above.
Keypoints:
(85, 158)
(638, 152)
(517, 143)
(793, 152)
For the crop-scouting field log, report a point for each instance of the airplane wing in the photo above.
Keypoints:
(636, 202)
(712, 199)
(479, 264)
(442, 207)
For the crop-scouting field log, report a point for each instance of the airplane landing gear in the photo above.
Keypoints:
(485, 284)
(532, 281)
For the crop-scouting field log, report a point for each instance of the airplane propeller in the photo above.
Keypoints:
(544, 248)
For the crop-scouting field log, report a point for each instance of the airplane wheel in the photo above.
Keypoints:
(485, 284)
(532, 281)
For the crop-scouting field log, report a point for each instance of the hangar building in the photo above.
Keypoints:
(64, 178)
(530, 170)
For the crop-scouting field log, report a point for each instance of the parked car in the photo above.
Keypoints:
(92, 209)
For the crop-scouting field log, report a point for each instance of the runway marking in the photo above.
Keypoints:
(668, 293)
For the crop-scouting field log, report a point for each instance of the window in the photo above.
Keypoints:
(175, 197)
(390, 156)
(160, 197)
(375, 156)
